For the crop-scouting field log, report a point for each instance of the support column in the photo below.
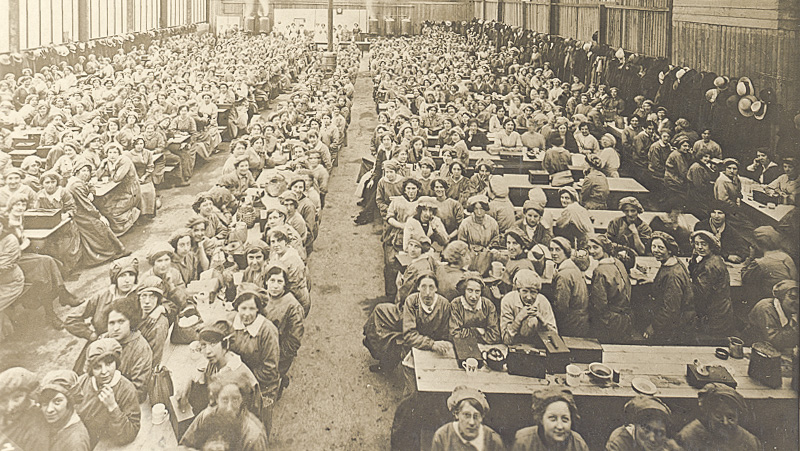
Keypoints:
(130, 12)
(189, 5)
(163, 18)
(84, 24)
(13, 25)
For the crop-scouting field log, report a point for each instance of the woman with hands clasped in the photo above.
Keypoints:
(525, 311)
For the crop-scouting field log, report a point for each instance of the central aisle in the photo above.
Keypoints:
(333, 401)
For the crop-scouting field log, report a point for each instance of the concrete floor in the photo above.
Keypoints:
(333, 402)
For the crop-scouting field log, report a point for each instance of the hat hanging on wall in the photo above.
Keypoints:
(759, 109)
(745, 105)
(745, 87)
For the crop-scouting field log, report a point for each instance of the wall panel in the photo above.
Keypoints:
(5, 32)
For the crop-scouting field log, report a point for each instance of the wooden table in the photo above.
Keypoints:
(772, 215)
(664, 365)
(618, 186)
(39, 237)
(601, 218)
(615, 184)
(102, 188)
(651, 265)
(518, 164)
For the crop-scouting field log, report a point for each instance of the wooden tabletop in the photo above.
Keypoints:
(776, 214)
(43, 234)
(615, 184)
(665, 366)
(102, 188)
(651, 265)
(601, 218)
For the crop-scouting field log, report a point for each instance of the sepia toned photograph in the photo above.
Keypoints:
(399, 225)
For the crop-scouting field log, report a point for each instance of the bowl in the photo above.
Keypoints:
(600, 371)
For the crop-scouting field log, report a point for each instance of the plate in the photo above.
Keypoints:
(644, 386)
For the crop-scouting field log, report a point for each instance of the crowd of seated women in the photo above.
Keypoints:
(248, 240)
(136, 120)
(460, 261)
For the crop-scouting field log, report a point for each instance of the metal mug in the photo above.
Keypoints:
(736, 347)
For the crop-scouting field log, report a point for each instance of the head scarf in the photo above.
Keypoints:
(784, 286)
(710, 238)
(17, 379)
(564, 244)
(669, 242)
(461, 286)
(123, 265)
(631, 201)
(533, 205)
(159, 250)
(64, 382)
(463, 392)
(498, 186)
(603, 242)
(455, 252)
(525, 278)
(641, 407)
(546, 396)
(720, 392)
(151, 284)
(101, 349)
(573, 193)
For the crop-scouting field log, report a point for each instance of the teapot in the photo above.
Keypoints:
(495, 359)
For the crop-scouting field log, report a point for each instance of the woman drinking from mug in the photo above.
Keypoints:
(469, 407)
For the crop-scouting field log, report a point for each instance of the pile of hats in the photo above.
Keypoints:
(742, 98)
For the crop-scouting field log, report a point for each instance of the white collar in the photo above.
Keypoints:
(234, 362)
(253, 328)
(477, 442)
(72, 420)
(781, 315)
(478, 305)
(425, 308)
(55, 197)
(114, 380)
